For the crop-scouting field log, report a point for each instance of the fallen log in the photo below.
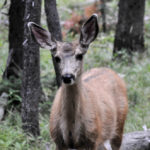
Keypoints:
(138, 140)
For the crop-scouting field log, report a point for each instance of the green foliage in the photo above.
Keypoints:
(12, 89)
(13, 138)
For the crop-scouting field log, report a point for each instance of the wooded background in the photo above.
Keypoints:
(29, 78)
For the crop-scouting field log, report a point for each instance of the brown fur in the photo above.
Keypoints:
(91, 9)
(88, 109)
(90, 112)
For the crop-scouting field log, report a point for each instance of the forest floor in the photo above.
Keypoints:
(136, 75)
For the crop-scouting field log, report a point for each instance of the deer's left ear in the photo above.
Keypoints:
(42, 37)
(89, 31)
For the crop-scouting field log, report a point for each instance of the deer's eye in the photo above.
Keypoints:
(57, 59)
(79, 56)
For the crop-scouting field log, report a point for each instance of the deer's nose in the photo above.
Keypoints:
(67, 78)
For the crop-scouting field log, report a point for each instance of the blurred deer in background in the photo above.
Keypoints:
(88, 108)
(74, 23)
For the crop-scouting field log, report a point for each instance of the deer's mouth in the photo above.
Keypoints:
(68, 79)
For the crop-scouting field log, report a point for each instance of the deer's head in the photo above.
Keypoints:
(68, 56)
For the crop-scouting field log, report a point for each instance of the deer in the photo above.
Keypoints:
(89, 108)
(74, 24)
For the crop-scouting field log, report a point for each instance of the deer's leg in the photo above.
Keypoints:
(101, 147)
(98, 147)
(59, 148)
(117, 140)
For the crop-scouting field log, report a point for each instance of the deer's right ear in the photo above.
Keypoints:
(42, 37)
(89, 31)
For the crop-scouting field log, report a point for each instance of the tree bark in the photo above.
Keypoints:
(31, 90)
(16, 25)
(103, 13)
(129, 31)
(55, 30)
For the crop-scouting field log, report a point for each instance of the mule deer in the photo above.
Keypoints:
(88, 108)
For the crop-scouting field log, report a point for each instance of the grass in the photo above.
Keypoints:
(136, 75)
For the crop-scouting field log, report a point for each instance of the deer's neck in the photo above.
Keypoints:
(70, 112)
(71, 101)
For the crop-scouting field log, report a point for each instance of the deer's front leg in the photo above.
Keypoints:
(59, 148)
(101, 147)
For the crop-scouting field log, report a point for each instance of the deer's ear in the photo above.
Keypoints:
(89, 31)
(42, 37)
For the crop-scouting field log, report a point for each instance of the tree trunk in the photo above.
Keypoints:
(31, 71)
(55, 30)
(129, 30)
(103, 13)
(16, 25)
